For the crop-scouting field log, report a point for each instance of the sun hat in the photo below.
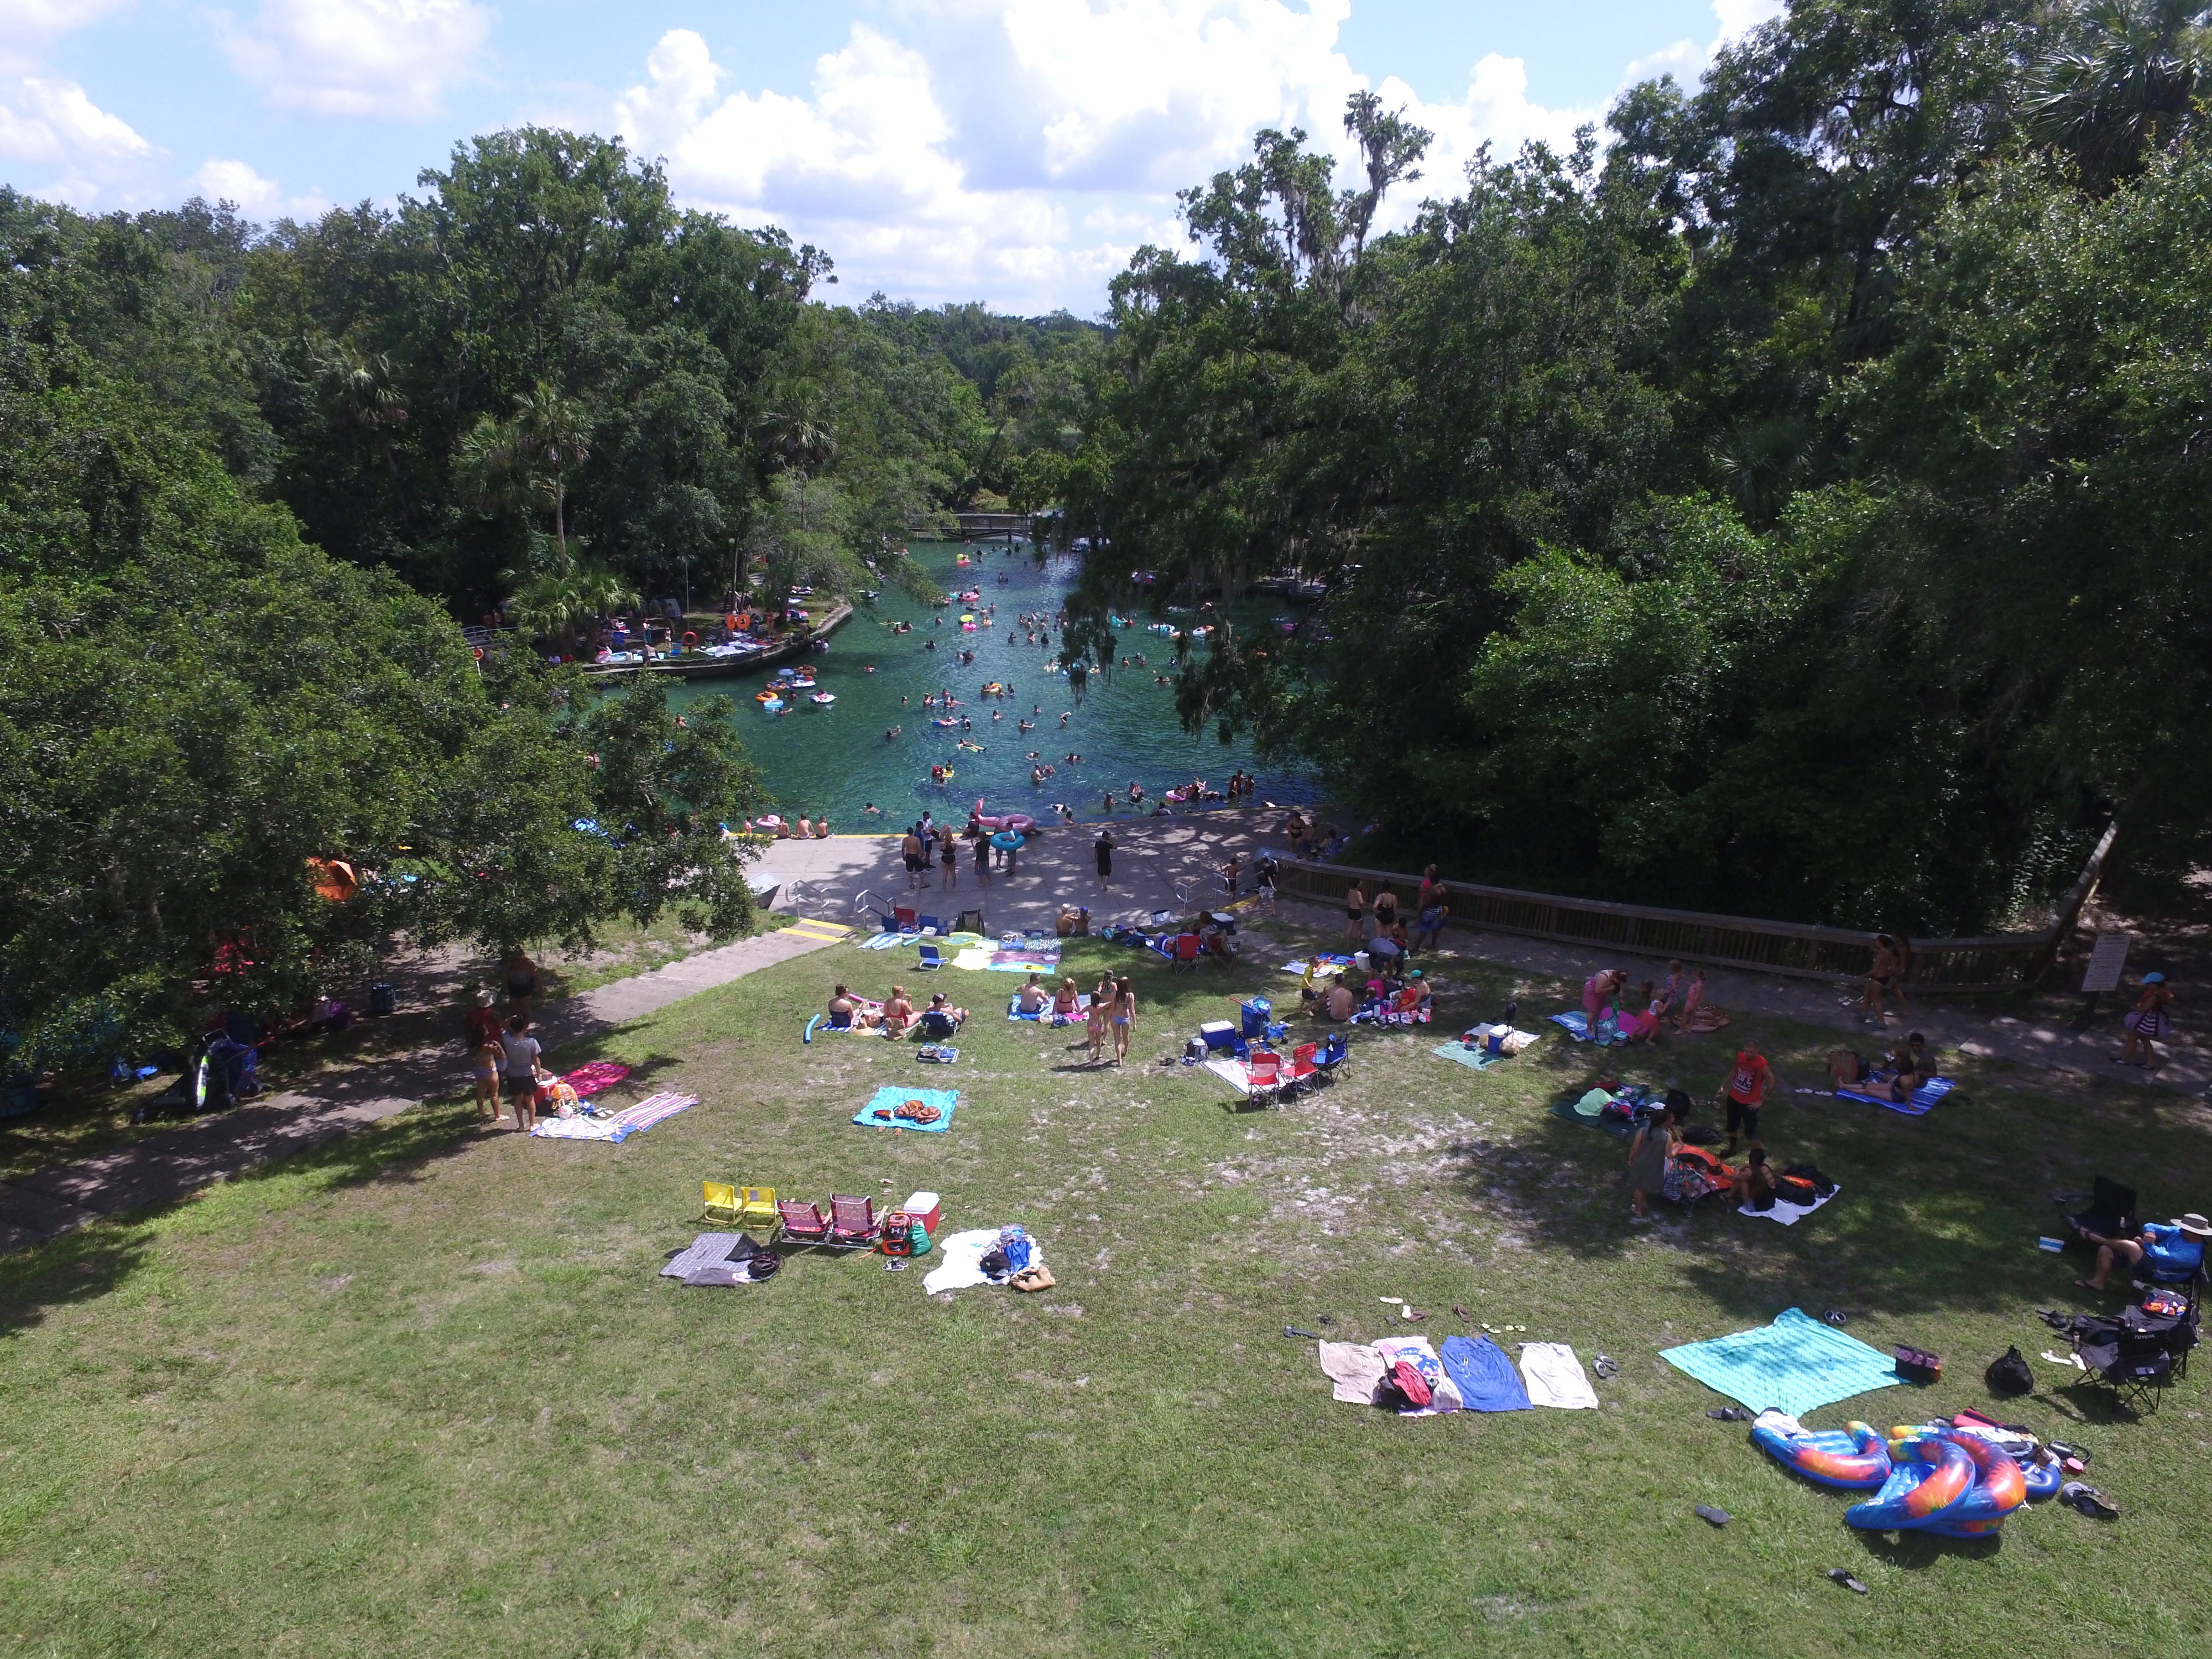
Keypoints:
(2194, 1224)
(2154, 979)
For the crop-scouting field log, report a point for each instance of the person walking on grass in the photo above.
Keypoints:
(1655, 1140)
(1744, 1093)
(1125, 1018)
(1102, 1011)
(2147, 1022)
(518, 1068)
(1355, 915)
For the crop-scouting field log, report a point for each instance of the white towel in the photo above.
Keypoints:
(1555, 1378)
(1789, 1214)
(963, 1260)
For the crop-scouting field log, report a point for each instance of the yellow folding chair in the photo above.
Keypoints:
(718, 1201)
(756, 1206)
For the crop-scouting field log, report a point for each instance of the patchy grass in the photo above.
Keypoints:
(422, 1392)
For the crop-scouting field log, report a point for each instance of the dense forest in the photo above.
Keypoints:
(1791, 501)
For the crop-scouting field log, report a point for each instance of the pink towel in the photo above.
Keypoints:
(588, 1080)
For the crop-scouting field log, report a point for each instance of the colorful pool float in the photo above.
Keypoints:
(1854, 1457)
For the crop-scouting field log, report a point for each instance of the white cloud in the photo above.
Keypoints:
(1740, 17)
(1027, 148)
(89, 156)
(394, 59)
(256, 196)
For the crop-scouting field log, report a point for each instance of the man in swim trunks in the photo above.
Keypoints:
(910, 850)
(1745, 1092)
(1033, 998)
(1101, 850)
(1355, 914)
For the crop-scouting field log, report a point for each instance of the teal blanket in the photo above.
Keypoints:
(1797, 1364)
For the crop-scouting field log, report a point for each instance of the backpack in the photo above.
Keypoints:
(2008, 1374)
(1822, 1185)
(1796, 1189)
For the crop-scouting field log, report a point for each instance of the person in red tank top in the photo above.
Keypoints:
(1745, 1093)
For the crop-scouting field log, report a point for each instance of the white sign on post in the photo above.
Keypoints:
(2105, 961)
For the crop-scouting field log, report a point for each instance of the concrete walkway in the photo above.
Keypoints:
(164, 1167)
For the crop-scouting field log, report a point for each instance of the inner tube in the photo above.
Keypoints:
(1930, 1478)
(772, 706)
(690, 640)
(765, 696)
(1854, 1457)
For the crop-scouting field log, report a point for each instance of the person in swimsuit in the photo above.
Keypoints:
(1892, 957)
(521, 982)
(1386, 908)
(1693, 999)
(1355, 914)
(1124, 1018)
(945, 855)
(1069, 1001)
(489, 1054)
(898, 1012)
(1102, 851)
(1102, 1009)
(2147, 1022)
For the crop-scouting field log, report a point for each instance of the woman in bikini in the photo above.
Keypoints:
(1068, 1003)
(1355, 913)
(521, 982)
(1102, 1006)
(1125, 1018)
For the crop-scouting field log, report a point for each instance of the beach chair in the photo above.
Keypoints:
(931, 958)
(908, 921)
(1186, 953)
(1330, 1062)
(802, 1221)
(1302, 1072)
(719, 1201)
(852, 1222)
(1263, 1075)
(756, 1206)
(931, 925)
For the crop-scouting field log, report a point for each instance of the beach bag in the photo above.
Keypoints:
(2008, 1374)
(1796, 1189)
(995, 1266)
(1822, 1185)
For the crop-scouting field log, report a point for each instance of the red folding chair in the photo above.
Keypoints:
(802, 1220)
(1186, 952)
(1302, 1069)
(851, 1221)
(1263, 1075)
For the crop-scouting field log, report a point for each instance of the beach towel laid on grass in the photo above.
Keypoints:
(1045, 1016)
(1479, 1058)
(1485, 1376)
(1923, 1099)
(588, 1080)
(713, 1259)
(975, 958)
(1796, 1364)
(1414, 1350)
(1355, 1368)
(1023, 958)
(882, 1112)
(1322, 968)
(1571, 1111)
(1790, 1214)
(1555, 1378)
(887, 941)
(1358, 1370)
(962, 1263)
(616, 1127)
(1577, 1025)
(820, 1026)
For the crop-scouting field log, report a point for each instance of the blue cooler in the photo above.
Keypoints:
(1257, 1013)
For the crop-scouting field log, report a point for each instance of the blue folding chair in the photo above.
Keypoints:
(931, 925)
(931, 957)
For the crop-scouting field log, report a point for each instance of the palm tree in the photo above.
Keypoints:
(523, 462)
(2123, 83)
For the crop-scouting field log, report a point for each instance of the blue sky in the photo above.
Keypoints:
(1014, 151)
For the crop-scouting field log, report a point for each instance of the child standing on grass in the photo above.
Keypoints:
(1125, 1018)
(489, 1054)
(1102, 1006)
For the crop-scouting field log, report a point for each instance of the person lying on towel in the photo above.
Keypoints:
(1911, 1065)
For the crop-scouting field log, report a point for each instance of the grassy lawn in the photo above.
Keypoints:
(422, 1393)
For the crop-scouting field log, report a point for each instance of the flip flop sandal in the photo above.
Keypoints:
(1835, 1316)
(1603, 1366)
(1731, 1414)
(1849, 1582)
(2079, 1495)
(1464, 1315)
(1707, 1512)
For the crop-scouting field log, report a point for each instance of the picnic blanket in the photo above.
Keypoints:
(589, 1079)
(1475, 1060)
(617, 1126)
(1323, 966)
(1796, 1364)
(1605, 1120)
(1577, 1025)
(974, 958)
(713, 1259)
(1789, 1214)
(888, 1100)
(1485, 1376)
(1045, 1016)
(1921, 1101)
(1030, 958)
(963, 1262)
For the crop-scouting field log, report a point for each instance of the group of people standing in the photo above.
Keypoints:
(1377, 926)
(1110, 1017)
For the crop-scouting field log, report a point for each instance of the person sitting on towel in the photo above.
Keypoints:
(1755, 1183)
(1032, 998)
(1069, 1002)
(898, 1012)
(840, 1009)
(1340, 1004)
(2172, 1250)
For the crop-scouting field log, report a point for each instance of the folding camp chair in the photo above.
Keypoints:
(1263, 1075)
(1330, 1062)
(931, 925)
(851, 1221)
(756, 1206)
(2111, 1211)
(2133, 1357)
(931, 958)
(1302, 1073)
(802, 1222)
(1186, 952)
(719, 1201)
(908, 922)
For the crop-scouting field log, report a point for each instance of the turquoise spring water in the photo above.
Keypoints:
(836, 759)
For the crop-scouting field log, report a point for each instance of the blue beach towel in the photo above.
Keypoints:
(1577, 1025)
(1475, 1060)
(1797, 1364)
(890, 1100)
(1045, 1016)
(1488, 1380)
(1917, 1105)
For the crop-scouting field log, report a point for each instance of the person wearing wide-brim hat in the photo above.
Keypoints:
(2147, 1022)
(2172, 1251)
